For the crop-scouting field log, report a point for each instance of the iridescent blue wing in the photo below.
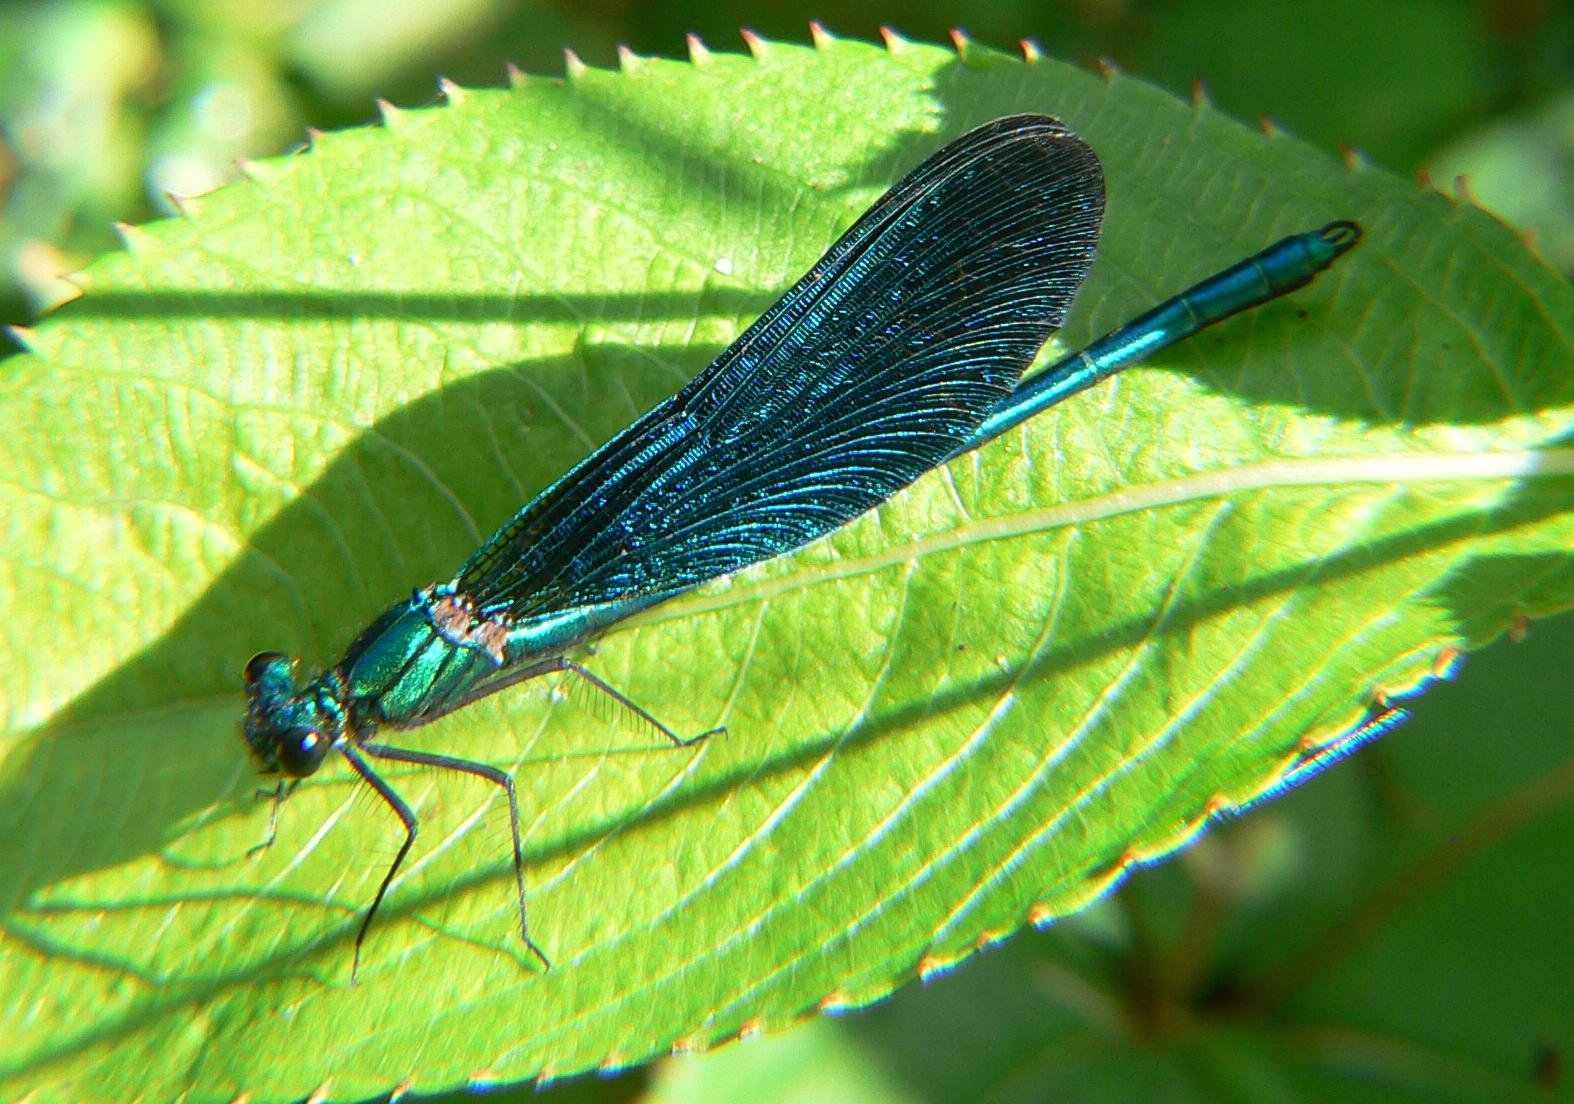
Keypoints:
(870, 371)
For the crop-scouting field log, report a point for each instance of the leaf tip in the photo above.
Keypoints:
(1032, 52)
(699, 53)
(895, 42)
(573, 66)
(757, 45)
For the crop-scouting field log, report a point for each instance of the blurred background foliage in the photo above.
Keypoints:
(1381, 927)
(109, 106)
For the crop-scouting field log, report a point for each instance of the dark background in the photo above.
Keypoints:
(1370, 935)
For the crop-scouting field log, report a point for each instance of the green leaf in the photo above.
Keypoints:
(1390, 934)
(974, 708)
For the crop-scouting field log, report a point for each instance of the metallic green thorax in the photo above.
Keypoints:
(420, 660)
(402, 665)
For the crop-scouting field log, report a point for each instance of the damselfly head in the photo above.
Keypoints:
(289, 730)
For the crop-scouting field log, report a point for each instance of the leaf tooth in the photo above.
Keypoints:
(628, 60)
(1447, 663)
(1518, 629)
(896, 43)
(134, 238)
(1201, 99)
(322, 1094)
(401, 1090)
(1424, 180)
(758, 47)
(819, 36)
(1270, 127)
(451, 91)
(25, 336)
(573, 66)
(1105, 67)
(390, 114)
(689, 1044)
(516, 76)
(933, 964)
(961, 42)
(1464, 192)
(183, 205)
(752, 1028)
(490, 1077)
(1354, 159)
(990, 936)
(837, 1000)
(42, 269)
(1530, 238)
(699, 53)
(1032, 52)
(61, 290)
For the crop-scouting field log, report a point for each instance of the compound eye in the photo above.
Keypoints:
(301, 751)
(258, 667)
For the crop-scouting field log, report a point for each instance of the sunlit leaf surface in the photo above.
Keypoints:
(973, 709)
